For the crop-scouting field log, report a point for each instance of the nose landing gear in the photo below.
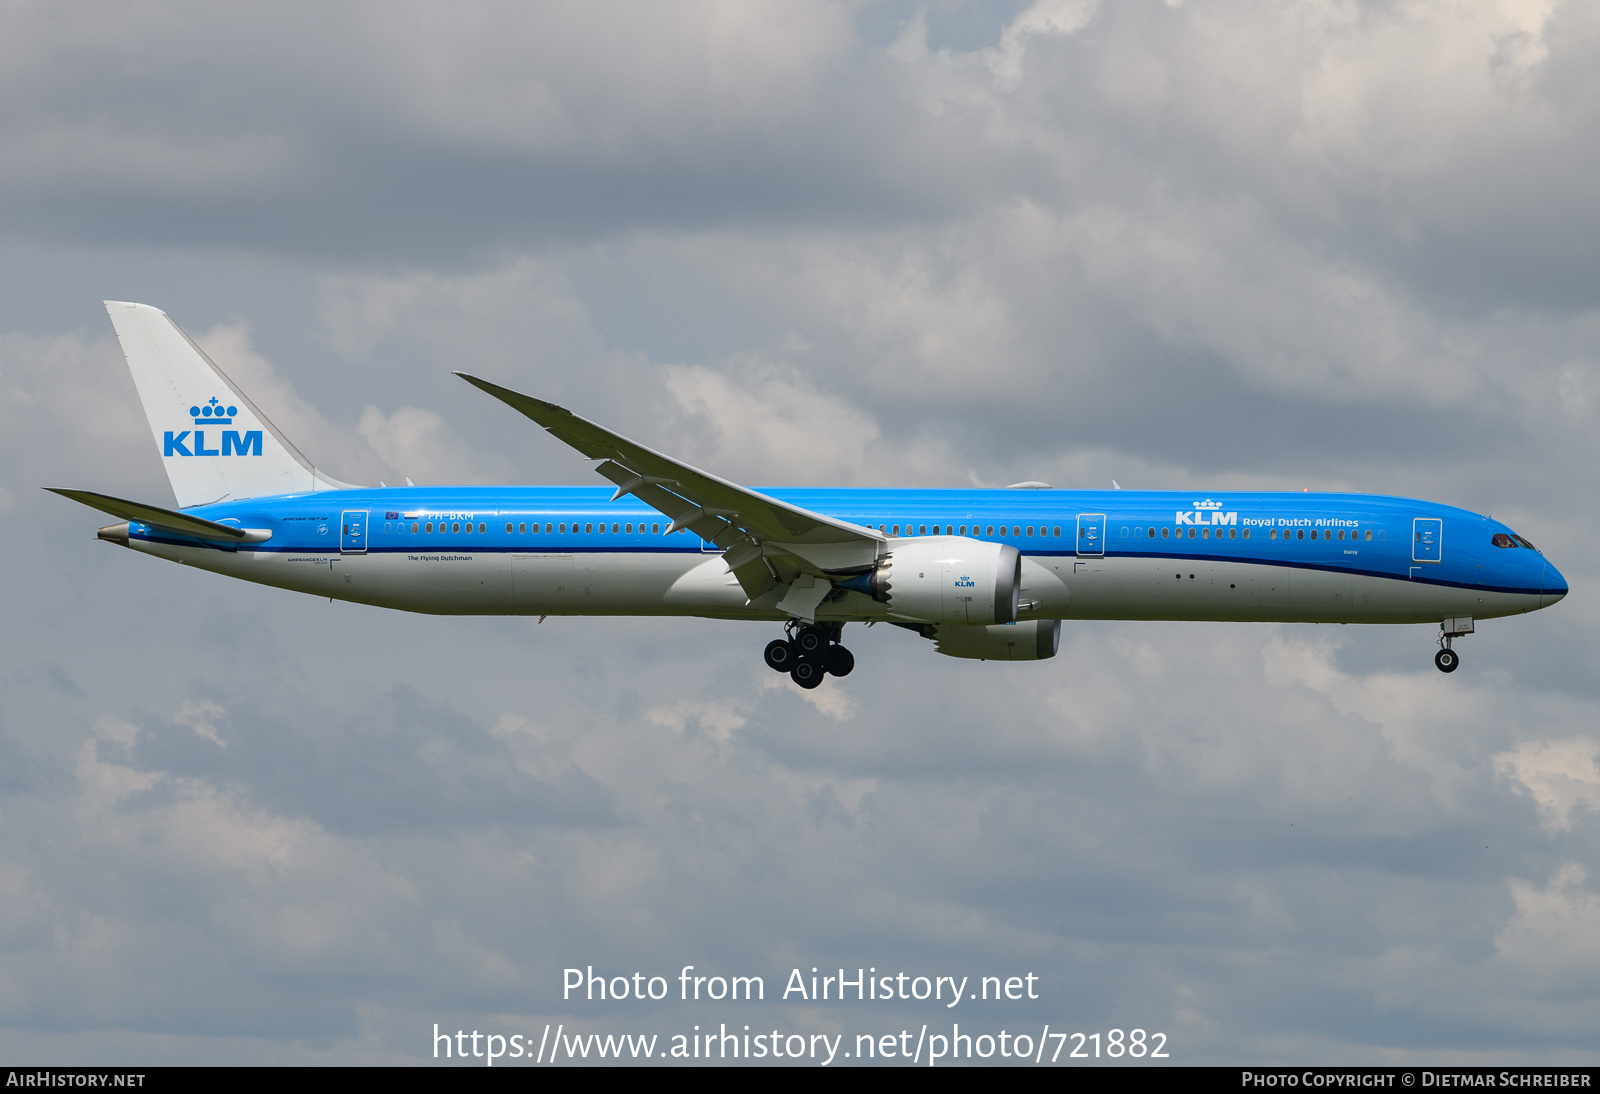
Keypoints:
(1447, 660)
(809, 652)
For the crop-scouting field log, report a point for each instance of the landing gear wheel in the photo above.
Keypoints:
(1447, 660)
(806, 673)
(840, 661)
(810, 640)
(780, 655)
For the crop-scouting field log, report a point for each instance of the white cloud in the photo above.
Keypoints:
(1554, 937)
(1561, 776)
(202, 717)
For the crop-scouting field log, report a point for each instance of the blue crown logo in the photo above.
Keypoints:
(1208, 504)
(213, 412)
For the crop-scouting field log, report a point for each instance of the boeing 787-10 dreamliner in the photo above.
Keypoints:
(987, 574)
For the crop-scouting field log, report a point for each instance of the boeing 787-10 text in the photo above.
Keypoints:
(987, 574)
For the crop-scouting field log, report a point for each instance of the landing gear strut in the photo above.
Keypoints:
(809, 652)
(1447, 659)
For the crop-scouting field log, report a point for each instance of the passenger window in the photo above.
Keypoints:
(413, 527)
(1368, 536)
(1247, 533)
(1030, 531)
(1300, 533)
(614, 528)
(896, 531)
(1057, 532)
(989, 530)
(1272, 534)
(1164, 532)
(655, 529)
(1015, 531)
(923, 530)
(1313, 533)
(482, 528)
(587, 528)
(1233, 533)
(1152, 531)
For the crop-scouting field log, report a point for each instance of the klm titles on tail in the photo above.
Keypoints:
(234, 443)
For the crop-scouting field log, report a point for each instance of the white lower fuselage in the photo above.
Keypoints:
(688, 583)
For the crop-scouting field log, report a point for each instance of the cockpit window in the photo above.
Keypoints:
(1525, 543)
(1502, 540)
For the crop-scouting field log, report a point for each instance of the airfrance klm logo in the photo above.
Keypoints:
(1205, 512)
(233, 442)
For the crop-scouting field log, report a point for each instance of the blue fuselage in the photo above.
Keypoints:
(1086, 554)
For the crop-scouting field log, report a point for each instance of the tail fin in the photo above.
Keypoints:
(215, 444)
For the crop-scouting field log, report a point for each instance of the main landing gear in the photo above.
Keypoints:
(810, 651)
(1447, 659)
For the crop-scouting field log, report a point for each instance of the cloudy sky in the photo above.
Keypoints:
(1219, 245)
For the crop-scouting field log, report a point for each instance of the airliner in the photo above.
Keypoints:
(985, 574)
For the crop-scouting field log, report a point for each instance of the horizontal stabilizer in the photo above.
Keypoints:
(166, 519)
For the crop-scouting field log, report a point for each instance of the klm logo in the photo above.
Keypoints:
(1205, 512)
(965, 582)
(214, 413)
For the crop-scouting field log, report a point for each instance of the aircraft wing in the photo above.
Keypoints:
(750, 526)
(157, 517)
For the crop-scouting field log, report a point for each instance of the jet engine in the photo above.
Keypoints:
(946, 579)
(1034, 640)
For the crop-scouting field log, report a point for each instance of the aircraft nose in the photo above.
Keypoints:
(1553, 588)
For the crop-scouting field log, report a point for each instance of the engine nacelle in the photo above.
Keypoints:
(947, 579)
(1034, 640)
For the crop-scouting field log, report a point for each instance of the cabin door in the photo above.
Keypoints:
(1091, 535)
(1427, 539)
(353, 532)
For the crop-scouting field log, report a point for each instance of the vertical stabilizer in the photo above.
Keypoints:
(214, 443)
